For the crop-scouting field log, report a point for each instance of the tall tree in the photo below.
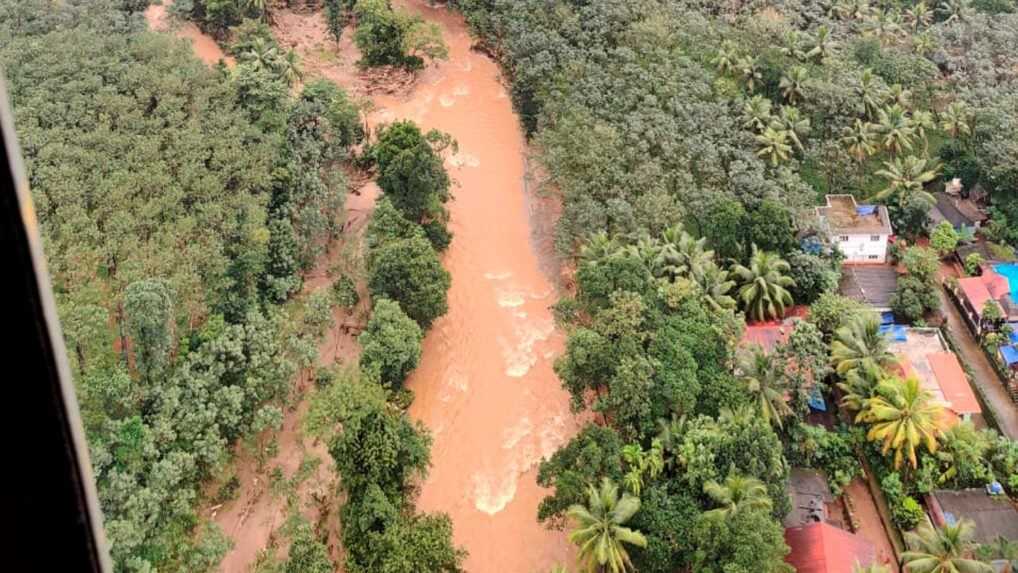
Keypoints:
(764, 291)
(764, 379)
(903, 417)
(149, 308)
(859, 342)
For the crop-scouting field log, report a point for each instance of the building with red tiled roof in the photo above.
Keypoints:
(954, 384)
(975, 292)
(823, 548)
(923, 354)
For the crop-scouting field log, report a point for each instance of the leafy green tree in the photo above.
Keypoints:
(764, 287)
(943, 550)
(307, 554)
(973, 264)
(408, 271)
(769, 226)
(379, 447)
(391, 343)
(858, 343)
(913, 298)
(595, 452)
(750, 541)
(416, 182)
(148, 305)
(600, 531)
(831, 310)
(814, 275)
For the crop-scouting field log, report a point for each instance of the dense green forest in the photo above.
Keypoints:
(689, 141)
(179, 206)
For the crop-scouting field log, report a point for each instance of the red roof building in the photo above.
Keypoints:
(823, 548)
(988, 286)
(953, 384)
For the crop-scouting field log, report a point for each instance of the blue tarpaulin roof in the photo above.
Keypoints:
(887, 317)
(816, 400)
(1014, 337)
(1010, 354)
(896, 332)
(866, 209)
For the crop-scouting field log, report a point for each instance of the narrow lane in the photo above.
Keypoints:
(983, 374)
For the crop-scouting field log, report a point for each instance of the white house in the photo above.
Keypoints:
(861, 232)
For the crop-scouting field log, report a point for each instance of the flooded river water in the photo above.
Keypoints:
(485, 384)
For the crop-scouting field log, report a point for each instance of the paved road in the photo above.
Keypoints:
(983, 374)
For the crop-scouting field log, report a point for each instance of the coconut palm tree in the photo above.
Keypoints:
(821, 44)
(945, 550)
(794, 124)
(736, 494)
(860, 140)
(600, 533)
(919, 16)
(922, 121)
(599, 246)
(907, 178)
(853, 9)
(764, 291)
(904, 417)
(860, 384)
(290, 68)
(896, 128)
(715, 285)
(859, 341)
(774, 145)
(765, 381)
(262, 54)
(884, 24)
(756, 113)
(792, 82)
(747, 71)
(680, 254)
(898, 95)
(726, 57)
(956, 119)
(869, 92)
(952, 10)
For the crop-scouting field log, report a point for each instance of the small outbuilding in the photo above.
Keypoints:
(994, 515)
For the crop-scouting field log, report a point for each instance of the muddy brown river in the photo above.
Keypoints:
(485, 385)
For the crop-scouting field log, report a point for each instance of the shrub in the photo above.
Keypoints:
(944, 238)
(907, 514)
(344, 292)
(973, 264)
